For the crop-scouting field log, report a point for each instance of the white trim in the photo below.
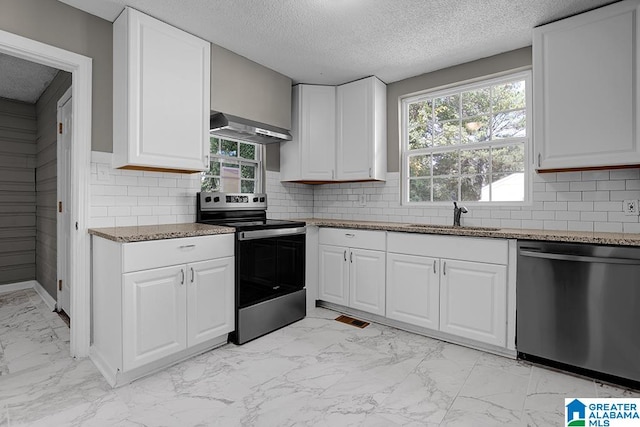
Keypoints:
(48, 299)
(30, 284)
(63, 195)
(18, 286)
(81, 68)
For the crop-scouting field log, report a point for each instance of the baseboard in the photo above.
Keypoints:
(18, 286)
(31, 284)
(48, 299)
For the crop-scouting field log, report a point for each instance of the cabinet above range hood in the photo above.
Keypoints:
(228, 126)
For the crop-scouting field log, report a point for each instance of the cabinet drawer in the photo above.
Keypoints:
(494, 251)
(365, 239)
(161, 253)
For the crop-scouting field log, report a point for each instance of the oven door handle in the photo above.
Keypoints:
(276, 232)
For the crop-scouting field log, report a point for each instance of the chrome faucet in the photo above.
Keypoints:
(457, 212)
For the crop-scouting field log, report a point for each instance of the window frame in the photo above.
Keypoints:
(258, 162)
(457, 89)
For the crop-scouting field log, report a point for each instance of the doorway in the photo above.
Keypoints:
(80, 155)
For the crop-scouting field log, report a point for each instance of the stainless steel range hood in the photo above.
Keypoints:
(228, 126)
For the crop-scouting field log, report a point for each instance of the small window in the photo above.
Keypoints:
(235, 167)
(469, 143)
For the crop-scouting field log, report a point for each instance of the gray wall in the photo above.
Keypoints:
(46, 182)
(17, 191)
(459, 73)
(245, 88)
(63, 26)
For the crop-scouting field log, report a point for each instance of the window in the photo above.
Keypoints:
(469, 143)
(235, 167)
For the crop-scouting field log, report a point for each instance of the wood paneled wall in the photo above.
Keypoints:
(46, 182)
(18, 128)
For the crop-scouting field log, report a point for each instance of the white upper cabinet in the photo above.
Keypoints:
(585, 71)
(310, 155)
(339, 133)
(361, 138)
(161, 95)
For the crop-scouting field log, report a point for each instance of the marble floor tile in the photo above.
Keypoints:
(315, 372)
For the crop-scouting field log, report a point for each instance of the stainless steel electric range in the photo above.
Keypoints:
(269, 262)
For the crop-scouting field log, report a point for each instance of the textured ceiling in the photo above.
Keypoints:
(23, 80)
(335, 41)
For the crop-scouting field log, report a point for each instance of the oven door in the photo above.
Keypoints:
(270, 263)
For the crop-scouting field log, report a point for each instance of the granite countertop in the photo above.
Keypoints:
(157, 232)
(624, 239)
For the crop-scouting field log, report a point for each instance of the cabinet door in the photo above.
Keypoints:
(163, 74)
(318, 132)
(334, 274)
(154, 315)
(473, 301)
(367, 280)
(361, 132)
(354, 130)
(413, 290)
(585, 71)
(210, 299)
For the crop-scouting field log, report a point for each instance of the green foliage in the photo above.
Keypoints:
(462, 120)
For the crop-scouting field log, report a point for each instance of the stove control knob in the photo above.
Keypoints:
(255, 199)
(262, 199)
(207, 199)
(216, 199)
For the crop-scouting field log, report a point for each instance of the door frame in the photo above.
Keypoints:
(62, 252)
(81, 69)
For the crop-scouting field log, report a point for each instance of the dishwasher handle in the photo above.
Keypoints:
(578, 258)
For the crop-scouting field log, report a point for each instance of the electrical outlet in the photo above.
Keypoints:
(362, 200)
(630, 207)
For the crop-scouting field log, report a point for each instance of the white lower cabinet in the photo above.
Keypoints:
(451, 284)
(210, 294)
(413, 290)
(473, 301)
(352, 275)
(147, 315)
(154, 312)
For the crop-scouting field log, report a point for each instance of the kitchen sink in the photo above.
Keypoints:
(453, 227)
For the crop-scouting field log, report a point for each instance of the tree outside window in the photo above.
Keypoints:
(235, 167)
(468, 143)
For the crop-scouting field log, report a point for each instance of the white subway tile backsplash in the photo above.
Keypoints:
(569, 176)
(611, 185)
(583, 186)
(625, 174)
(580, 201)
(595, 175)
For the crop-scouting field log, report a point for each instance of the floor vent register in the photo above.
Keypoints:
(351, 321)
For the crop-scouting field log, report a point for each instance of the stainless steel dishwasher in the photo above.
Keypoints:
(579, 305)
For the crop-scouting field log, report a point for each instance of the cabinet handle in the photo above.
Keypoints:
(349, 235)
(539, 157)
(192, 275)
(345, 255)
(434, 267)
(444, 268)
(351, 257)
(186, 246)
(369, 172)
(182, 277)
